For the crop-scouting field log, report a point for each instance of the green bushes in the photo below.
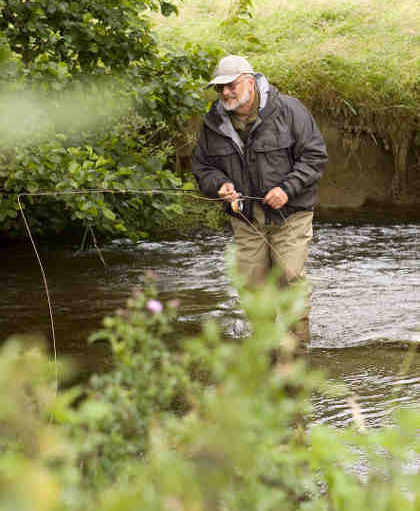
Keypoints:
(90, 101)
(107, 164)
(194, 424)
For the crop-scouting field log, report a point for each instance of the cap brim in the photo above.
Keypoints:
(223, 79)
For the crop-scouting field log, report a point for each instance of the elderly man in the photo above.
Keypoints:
(256, 142)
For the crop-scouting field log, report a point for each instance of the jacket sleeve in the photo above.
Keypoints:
(309, 151)
(209, 177)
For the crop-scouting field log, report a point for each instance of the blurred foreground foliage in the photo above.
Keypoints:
(194, 424)
(89, 101)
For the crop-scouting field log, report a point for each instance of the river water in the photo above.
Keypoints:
(365, 304)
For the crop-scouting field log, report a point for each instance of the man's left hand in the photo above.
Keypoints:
(276, 198)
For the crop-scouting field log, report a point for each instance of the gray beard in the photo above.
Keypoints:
(238, 102)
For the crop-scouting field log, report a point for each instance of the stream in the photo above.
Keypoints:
(365, 303)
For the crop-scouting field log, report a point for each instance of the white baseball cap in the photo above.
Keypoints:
(229, 68)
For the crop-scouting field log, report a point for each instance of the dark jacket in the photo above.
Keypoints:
(284, 148)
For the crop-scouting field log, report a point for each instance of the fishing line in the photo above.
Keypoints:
(190, 193)
(44, 278)
(96, 246)
(261, 234)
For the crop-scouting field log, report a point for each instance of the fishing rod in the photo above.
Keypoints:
(42, 192)
(97, 190)
(237, 204)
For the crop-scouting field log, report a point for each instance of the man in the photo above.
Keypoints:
(256, 142)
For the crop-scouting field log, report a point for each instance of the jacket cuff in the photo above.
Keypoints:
(219, 183)
(288, 189)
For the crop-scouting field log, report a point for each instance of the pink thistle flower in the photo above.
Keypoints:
(154, 306)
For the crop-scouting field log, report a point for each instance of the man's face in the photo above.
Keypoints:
(235, 94)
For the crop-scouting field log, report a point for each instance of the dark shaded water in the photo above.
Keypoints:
(366, 290)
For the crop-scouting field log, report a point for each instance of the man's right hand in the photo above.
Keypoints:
(227, 191)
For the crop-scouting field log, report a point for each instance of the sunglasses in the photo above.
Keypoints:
(219, 88)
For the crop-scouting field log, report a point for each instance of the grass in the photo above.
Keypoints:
(353, 58)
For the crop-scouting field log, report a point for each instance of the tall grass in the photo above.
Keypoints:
(366, 52)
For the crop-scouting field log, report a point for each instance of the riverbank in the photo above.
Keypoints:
(355, 64)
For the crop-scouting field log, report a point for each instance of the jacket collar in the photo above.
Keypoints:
(218, 119)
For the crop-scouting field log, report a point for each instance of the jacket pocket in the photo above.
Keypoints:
(221, 155)
(220, 148)
(272, 161)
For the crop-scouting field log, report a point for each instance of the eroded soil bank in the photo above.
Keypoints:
(368, 178)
